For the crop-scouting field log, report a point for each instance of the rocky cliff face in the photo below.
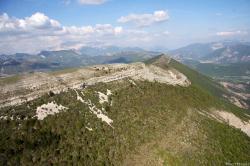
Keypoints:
(31, 86)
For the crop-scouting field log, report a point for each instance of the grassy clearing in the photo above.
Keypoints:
(63, 71)
(9, 80)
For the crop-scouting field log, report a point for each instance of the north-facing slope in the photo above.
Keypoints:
(132, 120)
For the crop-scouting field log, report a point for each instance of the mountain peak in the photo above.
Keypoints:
(161, 59)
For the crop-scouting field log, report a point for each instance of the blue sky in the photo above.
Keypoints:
(66, 24)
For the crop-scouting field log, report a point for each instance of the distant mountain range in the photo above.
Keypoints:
(108, 51)
(225, 52)
(53, 60)
(215, 52)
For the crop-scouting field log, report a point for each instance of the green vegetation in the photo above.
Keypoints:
(233, 72)
(237, 74)
(153, 124)
(8, 80)
(63, 71)
(146, 113)
(198, 79)
(218, 70)
(209, 85)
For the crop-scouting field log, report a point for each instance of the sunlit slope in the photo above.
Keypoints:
(198, 79)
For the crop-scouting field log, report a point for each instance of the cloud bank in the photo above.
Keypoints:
(231, 33)
(37, 32)
(142, 20)
(91, 2)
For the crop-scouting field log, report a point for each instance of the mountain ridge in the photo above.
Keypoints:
(56, 60)
(126, 119)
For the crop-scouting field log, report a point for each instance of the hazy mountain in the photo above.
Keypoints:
(54, 60)
(108, 51)
(159, 111)
(216, 52)
(229, 54)
(192, 51)
(45, 60)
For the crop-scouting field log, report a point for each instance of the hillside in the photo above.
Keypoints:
(155, 113)
(235, 77)
(222, 71)
(202, 81)
(227, 62)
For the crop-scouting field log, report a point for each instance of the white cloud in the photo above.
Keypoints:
(39, 32)
(118, 30)
(218, 14)
(39, 20)
(66, 2)
(142, 20)
(166, 32)
(91, 2)
(73, 30)
(32, 24)
(39, 24)
(231, 33)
